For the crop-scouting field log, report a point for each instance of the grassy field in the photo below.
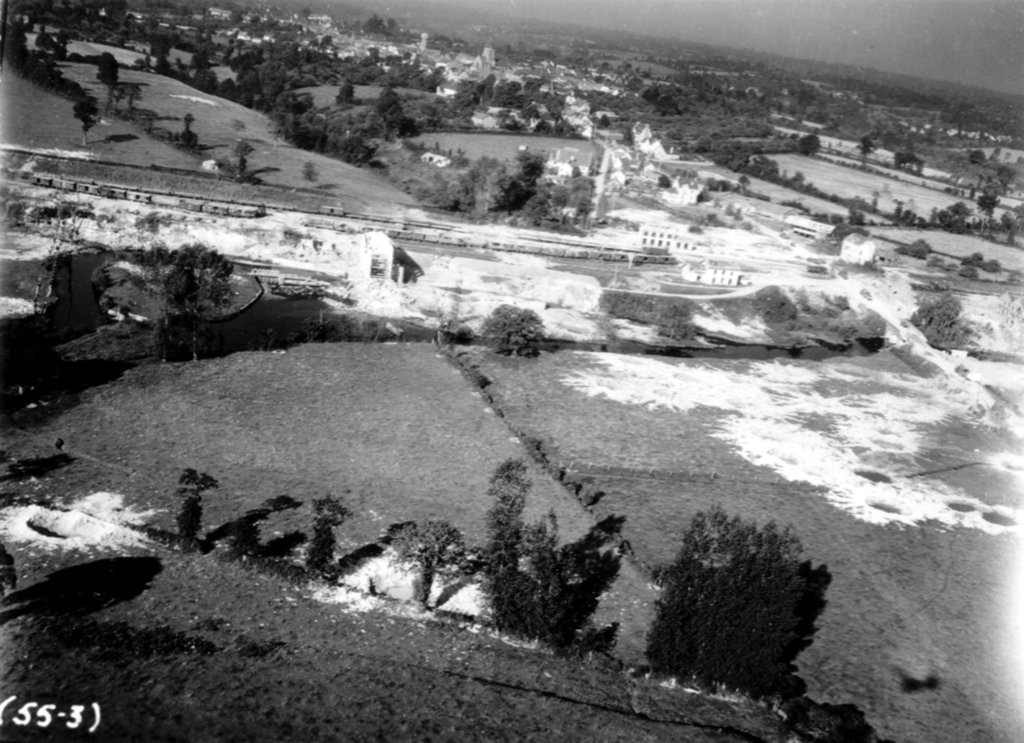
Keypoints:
(500, 146)
(850, 183)
(35, 118)
(177, 647)
(959, 246)
(219, 124)
(905, 601)
(779, 194)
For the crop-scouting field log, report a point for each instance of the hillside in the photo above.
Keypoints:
(167, 643)
(219, 124)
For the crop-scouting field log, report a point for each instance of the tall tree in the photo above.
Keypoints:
(389, 108)
(866, 147)
(106, 73)
(738, 606)
(85, 111)
(436, 547)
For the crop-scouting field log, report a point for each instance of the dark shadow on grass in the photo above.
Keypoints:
(83, 589)
(254, 516)
(911, 685)
(38, 467)
(112, 641)
(268, 169)
(118, 138)
(283, 545)
(325, 187)
(76, 376)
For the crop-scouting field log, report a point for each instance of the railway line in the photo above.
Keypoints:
(408, 233)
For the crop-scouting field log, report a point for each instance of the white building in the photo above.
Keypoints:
(664, 236)
(807, 227)
(857, 249)
(432, 158)
(377, 258)
(702, 272)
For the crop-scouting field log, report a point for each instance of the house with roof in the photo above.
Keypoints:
(564, 161)
(858, 249)
(703, 272)
(803, 226)
(664, 237)
(438, 161)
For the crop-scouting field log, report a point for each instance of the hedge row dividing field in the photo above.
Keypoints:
(906, 602)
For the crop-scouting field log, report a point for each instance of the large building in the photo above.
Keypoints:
(807, 227)
(665, 237)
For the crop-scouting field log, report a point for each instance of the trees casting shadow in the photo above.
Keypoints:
(83, 589)
(36, 467)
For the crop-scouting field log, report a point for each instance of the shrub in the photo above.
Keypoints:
(774, 306)
(538, 589)
(827, 723)
(974, 259)
(939, 318)
(191, 486)
(328, 513)
(967, 272)
(672, 316)
(514, 331)
(991, 266)
(738, 606)
(244, 538)
(917, 249)
(435, 547)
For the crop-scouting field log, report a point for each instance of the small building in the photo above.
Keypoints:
(807, 227)
(703, 272)
(435, 159)
(858, 249)
(378, 256)
(565, 160)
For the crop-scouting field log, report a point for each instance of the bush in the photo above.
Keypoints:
(244, 538)
(328, 513)
(967, 272)
(974, 259)
(737, 608)
(939, 318)
(991, 266)
(538, 589)
(774, 306)
(436, 547)
(514, 331)
(827, 723)
(191, 486)
(672, 316)
(917, 249)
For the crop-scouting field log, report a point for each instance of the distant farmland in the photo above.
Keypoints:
(500, 146)
(850, 183)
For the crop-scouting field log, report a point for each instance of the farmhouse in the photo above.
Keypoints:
(857, 249)
(566, 159)
(432, 158)
(807, 227)
(702, 272)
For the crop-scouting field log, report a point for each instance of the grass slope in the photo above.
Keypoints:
(208, 650)
(219, 124)
(904, 603)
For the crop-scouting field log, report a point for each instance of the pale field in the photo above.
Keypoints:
(850, 183)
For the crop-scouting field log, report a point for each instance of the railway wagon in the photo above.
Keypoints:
(336, 211)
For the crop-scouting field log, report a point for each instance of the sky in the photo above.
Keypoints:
(978, 42)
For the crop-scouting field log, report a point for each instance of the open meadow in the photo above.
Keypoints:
(851, 183)
(501, 146)
(956, 246)
(913, 510)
